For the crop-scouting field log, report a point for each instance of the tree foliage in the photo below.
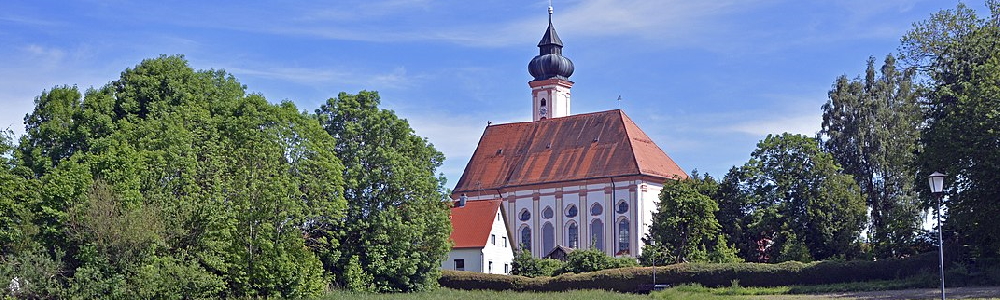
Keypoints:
(871, 127)
(396, 226)
(961, 134)
(171, 182)
(685, 228)
(794, 193)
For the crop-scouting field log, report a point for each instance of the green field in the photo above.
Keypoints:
(450, 294)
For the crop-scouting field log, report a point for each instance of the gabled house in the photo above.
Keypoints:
(482, 239)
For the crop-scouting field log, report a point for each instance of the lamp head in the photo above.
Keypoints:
(936, 182)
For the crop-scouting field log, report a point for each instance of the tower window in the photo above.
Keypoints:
(543, 102)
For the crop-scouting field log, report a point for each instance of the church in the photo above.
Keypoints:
(563, 180)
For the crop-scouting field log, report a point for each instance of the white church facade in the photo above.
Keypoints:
(580, 181)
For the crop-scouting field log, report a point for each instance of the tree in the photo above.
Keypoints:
(396, 221)
(871, 128)
(171, 181)
(796, 194)
(961, 134)
(684, 227)
(929, 39)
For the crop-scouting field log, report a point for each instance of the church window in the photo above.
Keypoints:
(571, 211)
(525, 215)
(526, 238)
(547, 213)
(573, 235)
(548, 237)
(596, 210)
(622, 207)
(597, 234)
(623, 237)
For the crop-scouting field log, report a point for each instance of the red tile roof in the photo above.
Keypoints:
(472, 223)
(585, 146)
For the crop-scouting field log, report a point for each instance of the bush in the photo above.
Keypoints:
(639, 279)
(526, 265)
(591, 260)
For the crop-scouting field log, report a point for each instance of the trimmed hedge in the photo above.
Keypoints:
(639, 279)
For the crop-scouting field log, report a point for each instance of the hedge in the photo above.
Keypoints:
(639, 279)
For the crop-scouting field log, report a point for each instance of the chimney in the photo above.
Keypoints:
(461, 200)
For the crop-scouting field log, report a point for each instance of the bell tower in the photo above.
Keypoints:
(550, 95)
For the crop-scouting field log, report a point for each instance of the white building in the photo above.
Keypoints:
(482, 240)
(581, 181)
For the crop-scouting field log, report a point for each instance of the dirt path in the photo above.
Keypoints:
(978, 292)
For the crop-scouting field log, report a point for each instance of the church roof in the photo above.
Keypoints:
(471, 224)
(577, 147)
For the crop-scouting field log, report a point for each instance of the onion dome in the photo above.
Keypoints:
(549, 63)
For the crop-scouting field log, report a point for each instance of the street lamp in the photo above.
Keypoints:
(936, 182)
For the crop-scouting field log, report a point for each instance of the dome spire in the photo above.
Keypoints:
(550, 64)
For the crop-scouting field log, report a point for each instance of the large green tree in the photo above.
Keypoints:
(175, 182)
(871, 127)
(962, 132)
(684, 226)
(396, 227)
(795, 193)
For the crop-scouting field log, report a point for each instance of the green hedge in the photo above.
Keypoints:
(639, 279)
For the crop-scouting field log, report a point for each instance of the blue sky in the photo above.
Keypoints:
(705, 79)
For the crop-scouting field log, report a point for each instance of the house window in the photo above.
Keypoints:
(525, 215)
(597, 234)
(506, 268)
(505, 242)
(571, 211)
(526, 238)
(622, 207)
(623, 237)
(493, 239)
(548, 238)
(573, 235)
(547, 213)
(459, 265)
(491, 267)
(596, 210)
(498, 217)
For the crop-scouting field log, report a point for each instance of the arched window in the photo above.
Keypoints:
(622, 207)
(548, 238)
(547, 213)
(526, 238)
(525, 215)
(623, 237)
(571, 211)
(573, 235)
(543, 102)
(597, 234)
(596, 209)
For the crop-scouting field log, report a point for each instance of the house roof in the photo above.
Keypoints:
(471, 224)
(584, 146)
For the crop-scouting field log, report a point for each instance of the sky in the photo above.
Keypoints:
(706, 80)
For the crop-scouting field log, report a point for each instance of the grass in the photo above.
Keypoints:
(450, 294)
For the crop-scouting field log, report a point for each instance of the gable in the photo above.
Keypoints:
(471, 224)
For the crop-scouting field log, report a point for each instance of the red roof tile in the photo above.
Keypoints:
(594, 145)
(472, 223)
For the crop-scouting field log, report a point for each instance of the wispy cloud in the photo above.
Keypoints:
(397, 78)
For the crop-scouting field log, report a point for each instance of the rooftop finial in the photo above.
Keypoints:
(550, 11)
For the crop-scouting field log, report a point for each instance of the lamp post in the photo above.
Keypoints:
(936, 182)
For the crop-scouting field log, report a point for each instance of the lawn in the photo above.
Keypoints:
(450, 294)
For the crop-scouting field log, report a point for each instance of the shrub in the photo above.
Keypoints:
(639, 279)
(590, 260)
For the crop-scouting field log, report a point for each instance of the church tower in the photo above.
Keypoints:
(550, 96)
